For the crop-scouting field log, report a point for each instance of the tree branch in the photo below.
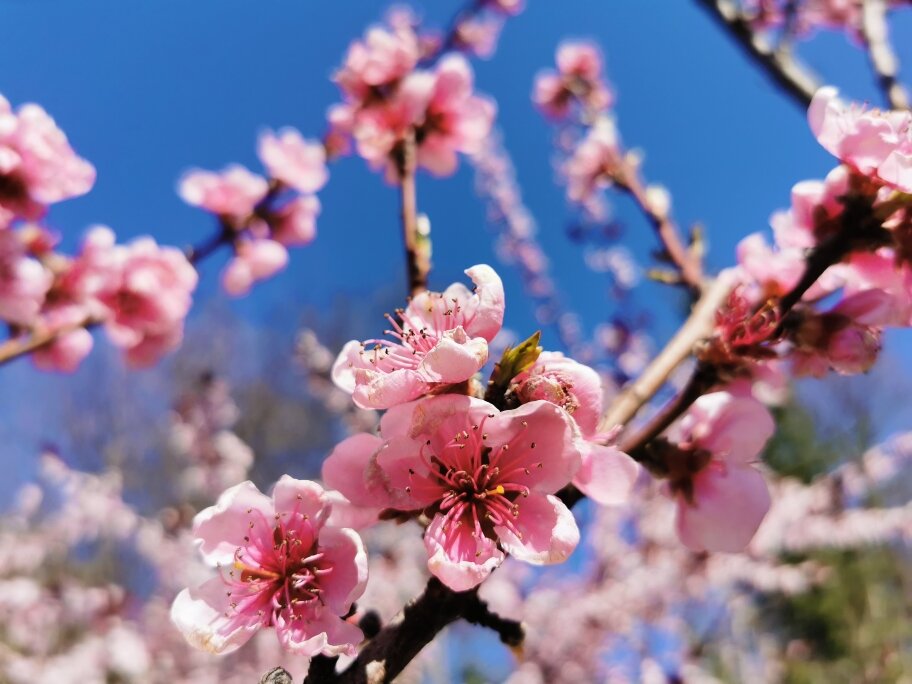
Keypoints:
(698, 326)
(417, 257)
(684, 260)
(884, 63)
(780, 65)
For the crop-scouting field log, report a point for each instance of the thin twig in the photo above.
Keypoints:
(698, 326)
(416, 252)
(884, 63)
(684, 260)
(780, 65)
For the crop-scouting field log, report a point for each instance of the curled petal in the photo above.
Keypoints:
(454, 358)
(326, 634)
(487, 318)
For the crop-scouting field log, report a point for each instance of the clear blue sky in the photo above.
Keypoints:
(146, 89)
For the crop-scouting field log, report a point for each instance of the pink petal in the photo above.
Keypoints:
(554, 459)
(222, 527)
(454, 358)
(729, 505)
(548, 531)
(300, 497)
(323, 633)
(344, 552)
(607, 475)
(736, 427)
(405, 473)
(346, 467)
(206, 619)
(487, 318)
(457, 557)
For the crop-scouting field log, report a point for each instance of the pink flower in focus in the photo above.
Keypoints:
(147, 296)
(721, 496)
(24, 282)
(37, 164)
(606, 475)
(279, 566)
(296, 162)
(578, 78)
(485, 478)
(441, 339)
(232, 193)
(456, 120)
(254, 260)
(295, 222)
(877, 144)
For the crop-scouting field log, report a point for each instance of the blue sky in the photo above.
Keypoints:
(146, 90)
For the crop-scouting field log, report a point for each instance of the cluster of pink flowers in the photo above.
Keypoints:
(389, 99)
(37, 165)
(259, 217)
(861, 205)
(484, 477)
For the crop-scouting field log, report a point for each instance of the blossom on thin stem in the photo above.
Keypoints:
(280, 566)
(720, 494)
(485, 478)
(441, 338)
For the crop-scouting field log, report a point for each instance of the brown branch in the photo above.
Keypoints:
(884, 63)
(417, 250)
(698, 326)
(686, 261)
(780, 65)
(385, 656)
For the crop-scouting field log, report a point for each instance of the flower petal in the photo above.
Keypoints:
(344, 552)
(205, 617)
(607, 475)
(222, 527)
(729, 505)
(457, 556)
(549, 531)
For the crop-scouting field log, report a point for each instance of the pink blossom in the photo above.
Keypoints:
(456, 120)
(232, 193)
(485, 478)
(441, 339)
(37, 164)
(279, 566)
(593, 163)
(254, 260)
(877, 144)
(296, 162)
(24, 282)
(721, 496)
(816, 208)
(877, 292)
(147, 297)
(607, 475)
(479, 34)
(295, 223)
(65, 353)
(578, 78)
(381, 59)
